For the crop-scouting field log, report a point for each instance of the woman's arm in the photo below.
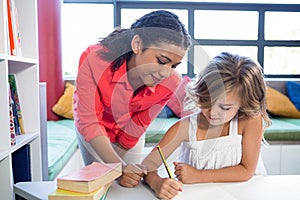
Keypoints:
(252, 131)
(103, 147)
(131, 173)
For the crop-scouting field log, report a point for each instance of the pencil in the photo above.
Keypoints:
(164, 161)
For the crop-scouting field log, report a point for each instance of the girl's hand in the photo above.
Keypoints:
(132, 175)
(185, 173)
(167, 188)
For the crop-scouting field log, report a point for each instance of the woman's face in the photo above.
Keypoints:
(154, 64)
(223, 110)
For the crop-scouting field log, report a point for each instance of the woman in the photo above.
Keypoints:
(123, 83)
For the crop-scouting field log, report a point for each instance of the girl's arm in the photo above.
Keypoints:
(252, 131)
(165, 187)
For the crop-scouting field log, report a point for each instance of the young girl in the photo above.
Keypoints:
(222, 141)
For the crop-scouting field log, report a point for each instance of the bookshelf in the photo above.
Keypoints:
(26, 68)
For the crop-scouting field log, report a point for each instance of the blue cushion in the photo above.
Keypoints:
(293, 91)
(166, 113)
(62, 144)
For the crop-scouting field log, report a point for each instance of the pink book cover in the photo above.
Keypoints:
(91, 172)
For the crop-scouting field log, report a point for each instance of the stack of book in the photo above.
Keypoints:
(88, 183)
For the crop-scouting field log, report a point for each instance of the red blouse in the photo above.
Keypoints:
(104, 103)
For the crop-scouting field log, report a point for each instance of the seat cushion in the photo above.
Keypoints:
(283, 129)
(158, 128)
(62, 144)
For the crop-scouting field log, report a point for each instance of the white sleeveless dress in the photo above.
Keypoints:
(215, 153)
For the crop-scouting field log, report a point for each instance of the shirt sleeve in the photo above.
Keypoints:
(88, 108)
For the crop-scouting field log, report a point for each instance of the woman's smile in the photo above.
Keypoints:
(156, 80)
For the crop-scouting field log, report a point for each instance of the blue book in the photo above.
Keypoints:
(21, 164)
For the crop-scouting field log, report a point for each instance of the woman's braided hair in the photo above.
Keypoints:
(153, 28)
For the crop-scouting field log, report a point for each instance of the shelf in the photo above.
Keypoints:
(26, 70)
(18, 59)
(24, 139)
(23, 60)
(21, 141)
(4, 154)
(3, 56)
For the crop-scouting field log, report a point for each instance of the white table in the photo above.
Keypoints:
(284, 187)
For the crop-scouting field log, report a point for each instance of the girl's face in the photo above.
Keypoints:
(154, 64)
(224, 109)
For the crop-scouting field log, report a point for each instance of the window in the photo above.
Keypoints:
(204, 53)
(282, 60)
(226, 25)
(279, 28)
(282, 25)
(211, 25)
(82, 25)
(267, 32)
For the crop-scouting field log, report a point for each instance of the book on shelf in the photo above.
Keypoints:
(12, 130)
(99, 194)
(14, 94)
(90, 177)
(21, 165)
(10, 28)
(15, 118)
(17, 36)
(13, 29)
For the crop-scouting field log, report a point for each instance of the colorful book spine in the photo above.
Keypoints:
(11, 123)
(14, 93)
(16, 30)
(10, 29)
(13, 29)
(16, 118)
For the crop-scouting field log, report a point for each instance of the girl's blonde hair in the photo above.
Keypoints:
(227, 72)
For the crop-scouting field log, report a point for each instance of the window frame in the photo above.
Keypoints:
(261, 8)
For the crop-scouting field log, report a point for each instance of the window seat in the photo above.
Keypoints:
(158, 128)
(284, 130)
(62, 141)
(62, 144)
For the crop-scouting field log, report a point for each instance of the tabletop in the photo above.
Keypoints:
(257, 188)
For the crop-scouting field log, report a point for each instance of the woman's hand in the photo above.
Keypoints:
(132, 175)
(185, 173)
